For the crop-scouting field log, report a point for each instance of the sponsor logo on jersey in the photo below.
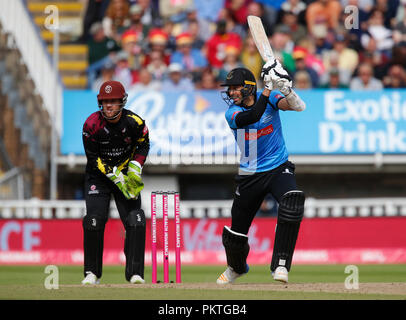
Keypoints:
(259, 133)
(93, 189)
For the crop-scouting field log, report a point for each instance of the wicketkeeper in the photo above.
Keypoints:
(116, 143)
(254, 120)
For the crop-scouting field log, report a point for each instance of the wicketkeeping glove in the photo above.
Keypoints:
(135, 184)
(120, 180)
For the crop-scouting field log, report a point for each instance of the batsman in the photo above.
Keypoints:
(116, 142)
(254, 119)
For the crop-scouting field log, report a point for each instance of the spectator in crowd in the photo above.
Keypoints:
(333, 64)
(302, 80)
(290, 20)
(271, 10)
(122, 72)
(95, 10)
(401, 12)
(216, 45)
(357, 18)
(399, 31)
(101, 49)
(376, 58)
(282, 46)
(204, 27)
(365, 79)
(158, 41)
(396, 77)
(208, 80)
(208, 33)
(300, 65)
(321, 39)
(175, 80)
(100, 46)
(174, 9)
(150, 12)
(106, 74)
(168, 26)
(399, 54)
(250, 57)
(145, 82)
(333, 81)
(157, 66)
(129, 44)
(231, 61)
(136, 24)
(296, 7)
(326, 12)
(257, 9)
(191, 60)
(238, 9)
(193, 28)
(231, 25)
(116, 19)
(389, 10)
(378, 31)
(312, 60)
(348, 58)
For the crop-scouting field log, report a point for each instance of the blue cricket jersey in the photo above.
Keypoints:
(261, 144)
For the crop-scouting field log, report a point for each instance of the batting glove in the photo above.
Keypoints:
(120, 180)
(266, 74)
(281, 79)
(268, 66)
(135, 183)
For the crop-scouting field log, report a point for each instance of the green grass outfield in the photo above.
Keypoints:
(313, 282)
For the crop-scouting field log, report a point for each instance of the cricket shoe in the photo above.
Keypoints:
(136, 279)
(280, 274)
(229, 276)
(90, 278)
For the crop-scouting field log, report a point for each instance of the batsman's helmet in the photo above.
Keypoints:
(239, 77)
(112, 90)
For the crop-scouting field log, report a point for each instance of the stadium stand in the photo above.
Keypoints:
(72, 56)
(25, 124)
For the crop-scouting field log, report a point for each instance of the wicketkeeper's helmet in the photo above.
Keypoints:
(112, 90)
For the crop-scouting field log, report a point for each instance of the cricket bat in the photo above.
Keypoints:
(260, 38)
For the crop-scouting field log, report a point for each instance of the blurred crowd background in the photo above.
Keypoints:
(193, 44)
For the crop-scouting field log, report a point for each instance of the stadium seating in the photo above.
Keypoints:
(72, 56)
(24, 122)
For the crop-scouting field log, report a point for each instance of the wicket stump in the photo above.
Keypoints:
(165, 218)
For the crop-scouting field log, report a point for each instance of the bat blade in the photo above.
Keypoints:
(259, 35)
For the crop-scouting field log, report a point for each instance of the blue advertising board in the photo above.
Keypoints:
(334, 122)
